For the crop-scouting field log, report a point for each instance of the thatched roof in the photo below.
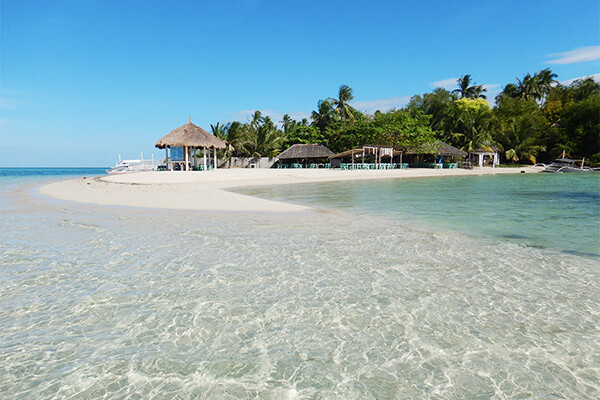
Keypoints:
(440, 149)
(299, 151)
(192, 136)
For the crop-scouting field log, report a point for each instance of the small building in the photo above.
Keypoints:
(370, 155)
(435, 155)
(488, 156)
(304, 155)
(183, 143)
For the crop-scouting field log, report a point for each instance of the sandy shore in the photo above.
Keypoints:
(207, 190)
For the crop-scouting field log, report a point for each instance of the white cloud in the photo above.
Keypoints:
(381, 105)
(491, 87)
(446, 83)
(595, 77)
(583, 54)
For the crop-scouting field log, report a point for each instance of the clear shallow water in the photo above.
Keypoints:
(560, 211)
(108, 302)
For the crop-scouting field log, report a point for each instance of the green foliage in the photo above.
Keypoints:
(534, 118)
(341, 106)
(257, 138)
(520, 127)
(403, 130)
(580, 126)
(466, 90)
(324, 116)
(442, 109)
(473, 124)
(534, 87)
(304, 134)
(572, 114)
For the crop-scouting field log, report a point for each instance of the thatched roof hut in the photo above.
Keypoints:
(190, 137)
(305, 151)
(440, 149)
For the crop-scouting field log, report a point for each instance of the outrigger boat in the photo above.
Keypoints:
(130, 166)
(564, 164)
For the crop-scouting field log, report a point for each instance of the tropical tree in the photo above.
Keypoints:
(323, 117)
(520, 129)
(286, 122)
(468, 89)
(440, 105)
(545, 81)
(260, 137)
(474, 124)
(226, 132)
(344, 110)
(404, 130)
(219, 130)
(536, 86)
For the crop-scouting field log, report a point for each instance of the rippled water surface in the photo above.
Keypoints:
(560, 211)
(109, 302)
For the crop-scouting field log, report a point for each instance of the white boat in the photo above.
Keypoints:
(563, 164)
(130, 166)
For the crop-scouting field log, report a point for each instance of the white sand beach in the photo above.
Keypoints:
(207, 191)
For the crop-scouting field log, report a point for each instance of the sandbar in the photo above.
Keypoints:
(207, 190)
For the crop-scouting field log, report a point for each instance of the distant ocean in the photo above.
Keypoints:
(458, 287)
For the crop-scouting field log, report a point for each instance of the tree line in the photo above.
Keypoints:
(534, 119)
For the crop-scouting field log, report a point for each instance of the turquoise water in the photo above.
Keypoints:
(118, 303)
(560, 211)
(41, 173)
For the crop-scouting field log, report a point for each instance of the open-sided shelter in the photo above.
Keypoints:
(189, 138)
(375, 154)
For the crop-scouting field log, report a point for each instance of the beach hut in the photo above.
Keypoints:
(184, 141)
(303, 154)
(374, 155)
(432, 155)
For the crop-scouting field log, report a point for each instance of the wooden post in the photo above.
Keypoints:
(215, 156)
(185, 157)
(204, 153)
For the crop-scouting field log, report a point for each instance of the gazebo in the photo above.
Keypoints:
(303, 153)
(492, 153)
(188, 138)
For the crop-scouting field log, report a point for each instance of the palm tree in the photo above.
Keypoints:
(260, 137)
(546, 79)
(510, 90)
(528, 87)
(465, 89)
(341, 103)
(219, 130)
(227, 133)
(534, 87)
(286, 122)
(323, 116)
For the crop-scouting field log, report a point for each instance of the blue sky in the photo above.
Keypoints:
(83, 81)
